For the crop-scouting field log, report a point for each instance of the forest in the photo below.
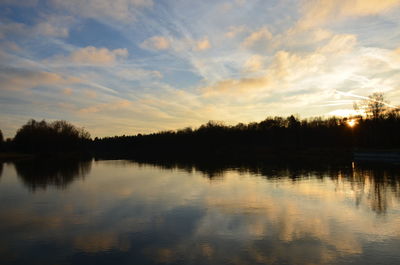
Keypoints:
(274, 136)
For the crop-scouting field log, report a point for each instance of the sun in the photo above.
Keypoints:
(351, 123)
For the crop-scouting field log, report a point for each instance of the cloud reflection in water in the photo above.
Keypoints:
(128, 212)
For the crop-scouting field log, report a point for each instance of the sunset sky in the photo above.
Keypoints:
(139, 66)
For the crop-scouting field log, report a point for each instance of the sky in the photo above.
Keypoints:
(140, 66)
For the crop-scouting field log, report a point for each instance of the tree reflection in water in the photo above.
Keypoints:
(378, 185)
(196, 212)
(42, 173)
(375, 184)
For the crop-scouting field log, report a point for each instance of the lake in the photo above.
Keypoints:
(124, 212)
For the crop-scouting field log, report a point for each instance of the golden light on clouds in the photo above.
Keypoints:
(339, 209)
(236, 61)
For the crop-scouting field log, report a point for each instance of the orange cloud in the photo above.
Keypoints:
(14, 79)
(287, 71)
(257, 38)
(340, 44)
(203, 45)
(254, 63)
(67, 91)
(95, 56)
(237, 86)
(397, 53)
(317, 12)
(156, 43)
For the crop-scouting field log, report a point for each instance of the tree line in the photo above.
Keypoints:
(378, 128)
(47, 137)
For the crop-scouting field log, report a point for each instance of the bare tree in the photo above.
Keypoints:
(374, 106)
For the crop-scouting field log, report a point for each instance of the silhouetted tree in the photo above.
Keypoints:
(293, 122)
(57, 136)
(375, 106)
(274, 136)
(1, 140)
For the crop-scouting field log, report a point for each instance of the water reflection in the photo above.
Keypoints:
(189, 213)
(39, 173)
(379, 184)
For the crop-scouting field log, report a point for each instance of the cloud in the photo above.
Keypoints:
(202, 45)
(119, 10)
(25, 3)
(12, 28)
(321, 34)
(156, 43)
(289, 71)
(318, 12)
(305, 81)
(254, 63)
(53, 26)
(48, 29)
(112, 106)
(258, 38)
(9, 45)
(396, 54)
(67, 91)
(93, 56)
(343, 112)
(237, 86)
(285, 68)
(340, 44)
(139, 74)
(19, 79)
(234, 31)
(90, 94)
(295, 39)
(231, 5)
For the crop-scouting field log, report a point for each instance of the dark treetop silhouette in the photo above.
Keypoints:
(44, 137)
(274, 136)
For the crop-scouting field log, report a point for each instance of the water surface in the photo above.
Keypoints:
(122, 212)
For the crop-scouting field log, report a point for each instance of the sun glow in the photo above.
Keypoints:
(351, 123)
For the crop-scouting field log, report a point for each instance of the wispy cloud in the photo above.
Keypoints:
(156, 43)
(319, 12)
(258, 38)
(18, 79)
(181, 63)
(119, 10)
(93, 56)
